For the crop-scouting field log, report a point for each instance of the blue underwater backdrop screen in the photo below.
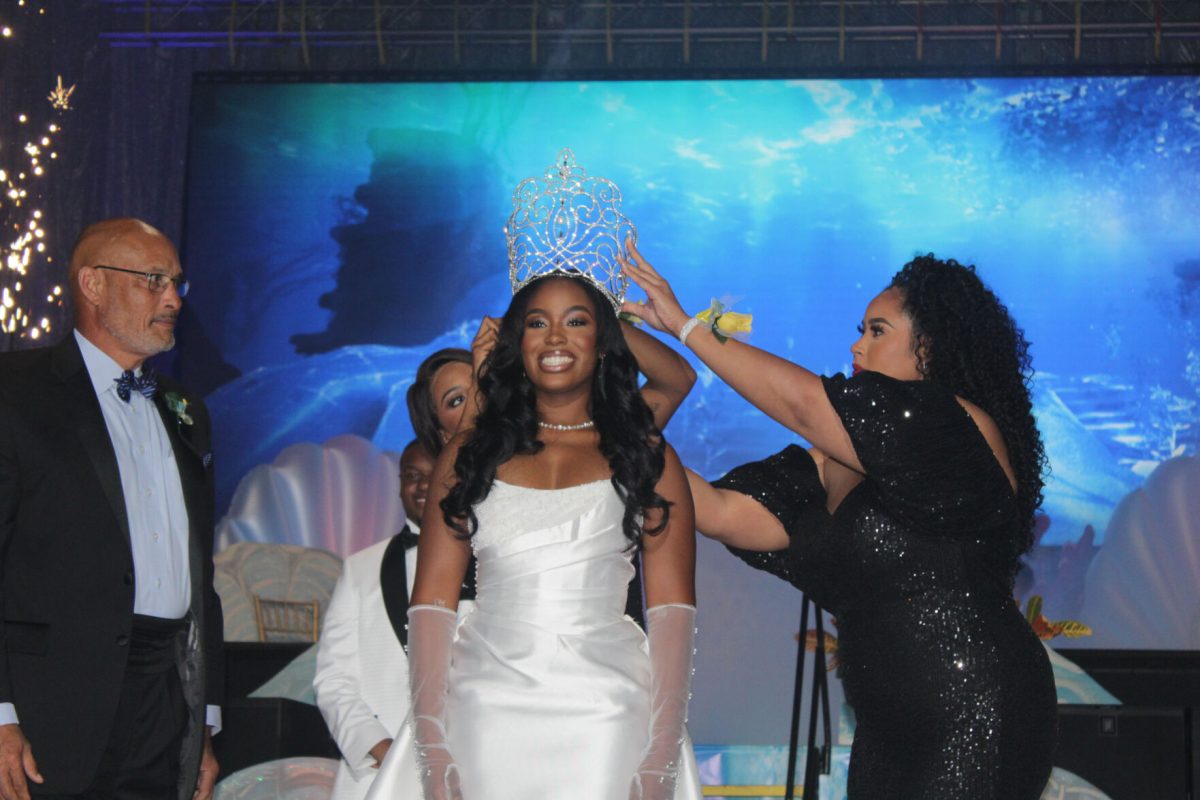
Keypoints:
(337, 233)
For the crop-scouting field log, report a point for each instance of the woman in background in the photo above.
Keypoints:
(439, 392)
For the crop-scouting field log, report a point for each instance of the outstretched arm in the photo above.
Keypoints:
(735, 519)
(786, 392)
(669, 377)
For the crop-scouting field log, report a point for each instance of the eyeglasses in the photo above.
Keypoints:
(155, 281)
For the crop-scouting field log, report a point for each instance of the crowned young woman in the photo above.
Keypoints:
(547, 689)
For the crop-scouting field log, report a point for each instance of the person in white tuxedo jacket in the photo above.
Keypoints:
(361, 681)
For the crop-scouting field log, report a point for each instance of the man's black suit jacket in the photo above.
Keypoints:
(66, 601)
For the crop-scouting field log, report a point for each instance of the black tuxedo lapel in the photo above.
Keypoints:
(393, 583)
(66, 363)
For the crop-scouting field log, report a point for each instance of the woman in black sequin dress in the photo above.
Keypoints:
(905, 521)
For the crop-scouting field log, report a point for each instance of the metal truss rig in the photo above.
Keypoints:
(755, 35)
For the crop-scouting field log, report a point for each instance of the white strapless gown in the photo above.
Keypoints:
(550, 680)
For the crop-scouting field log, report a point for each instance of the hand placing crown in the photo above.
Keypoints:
(569, 223)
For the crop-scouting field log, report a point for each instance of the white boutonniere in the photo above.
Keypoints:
(178, 406)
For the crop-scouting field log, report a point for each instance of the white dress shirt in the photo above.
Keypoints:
(158, 520)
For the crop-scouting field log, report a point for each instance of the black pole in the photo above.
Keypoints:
(797, 696)
(816, 759)
(823, 673)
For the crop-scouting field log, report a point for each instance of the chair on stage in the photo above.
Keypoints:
(293, 582)
(286, 620)
(289, 518)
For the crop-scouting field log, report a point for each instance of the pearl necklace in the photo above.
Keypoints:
(554, 426)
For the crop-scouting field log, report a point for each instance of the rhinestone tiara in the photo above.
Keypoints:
(568, 223)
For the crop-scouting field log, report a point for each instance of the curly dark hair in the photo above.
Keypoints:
(422, 409)
(966, 340)
(507, 424)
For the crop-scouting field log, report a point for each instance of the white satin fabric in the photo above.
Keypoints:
(550, 681)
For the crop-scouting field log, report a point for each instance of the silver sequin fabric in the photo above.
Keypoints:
(952, 692)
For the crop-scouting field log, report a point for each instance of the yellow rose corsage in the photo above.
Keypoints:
(725, 324)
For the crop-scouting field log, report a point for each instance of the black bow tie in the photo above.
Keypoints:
(146, 384)
(408, 538)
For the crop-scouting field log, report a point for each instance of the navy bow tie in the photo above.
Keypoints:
(146, 384)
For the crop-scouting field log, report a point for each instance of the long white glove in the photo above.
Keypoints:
(671, 630)
(430, 637)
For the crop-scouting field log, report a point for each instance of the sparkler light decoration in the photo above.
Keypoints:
(22, 220)
(59, 97)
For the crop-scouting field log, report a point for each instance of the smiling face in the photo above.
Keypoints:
(558, 343)
(416, 467)
(120, 313)
(886, 343)
(448, 390)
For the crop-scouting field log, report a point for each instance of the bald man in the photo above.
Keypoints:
(110, 631)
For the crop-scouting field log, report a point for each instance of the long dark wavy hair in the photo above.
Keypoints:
(966, 340)
(507, 424)
(422, 408)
